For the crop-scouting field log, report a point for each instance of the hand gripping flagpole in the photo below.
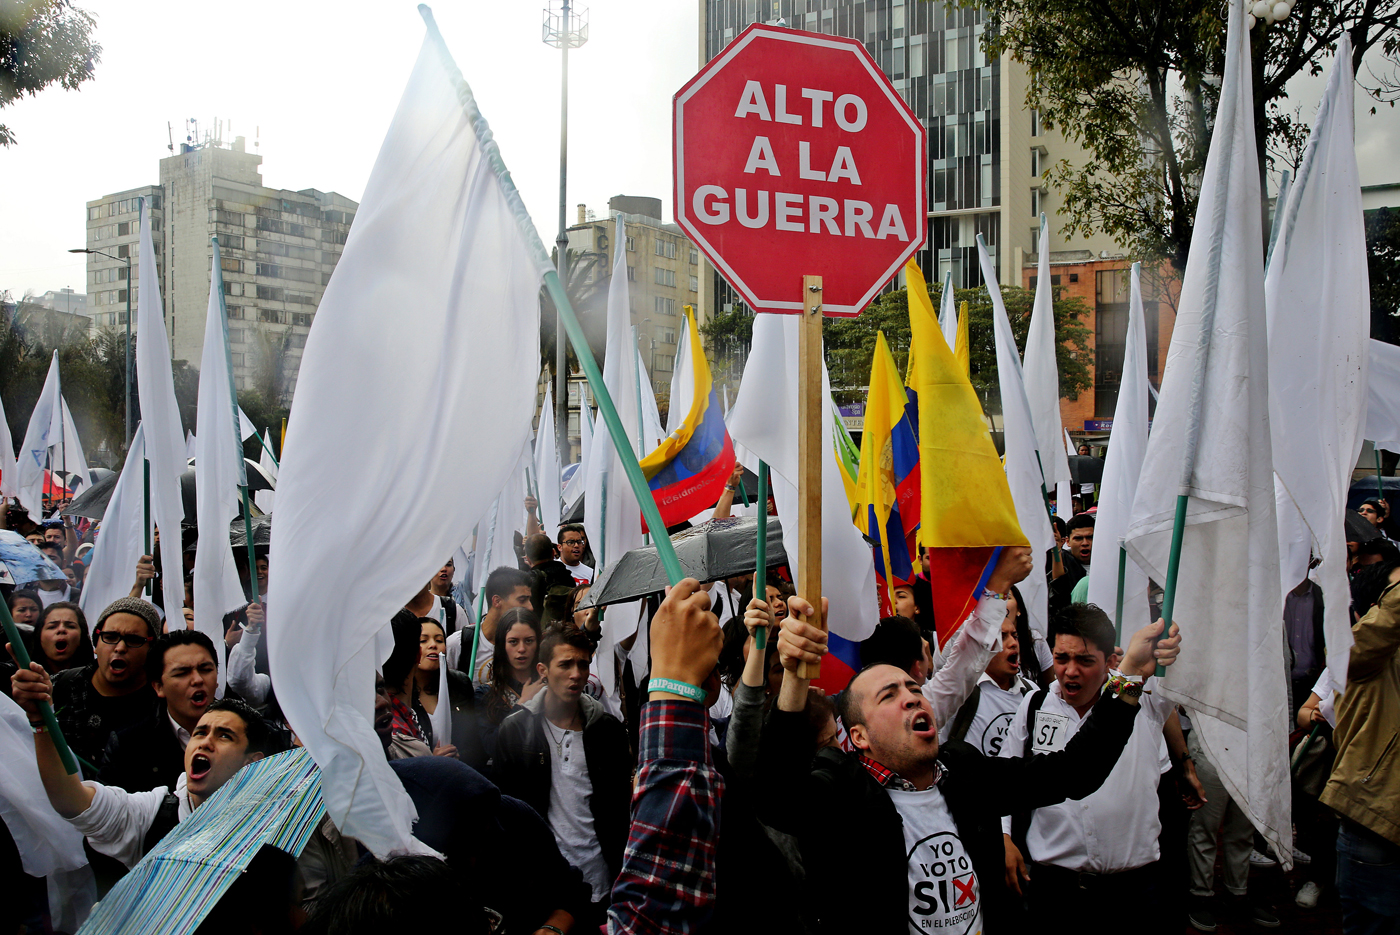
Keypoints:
(621, 443)
(45, 709)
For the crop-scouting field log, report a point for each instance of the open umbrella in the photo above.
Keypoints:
(262, 532)
(275, 801)
(1359, 528)
(92, 502)
(25, 562)
(720, 548)
(1085, 469)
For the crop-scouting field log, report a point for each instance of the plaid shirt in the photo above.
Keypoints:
(667, 882)
(892, 780)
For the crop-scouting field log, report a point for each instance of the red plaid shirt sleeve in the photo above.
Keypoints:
(667, 882)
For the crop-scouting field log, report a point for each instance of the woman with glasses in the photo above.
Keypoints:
(110, 693)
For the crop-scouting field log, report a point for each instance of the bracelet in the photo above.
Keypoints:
(988, 592)
(1125, 686)
(684, 689)
(40, 728)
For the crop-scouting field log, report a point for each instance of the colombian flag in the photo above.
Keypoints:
(888, 481)
(688, 470)
(966, 512)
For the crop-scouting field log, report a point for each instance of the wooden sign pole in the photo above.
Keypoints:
(811, 413)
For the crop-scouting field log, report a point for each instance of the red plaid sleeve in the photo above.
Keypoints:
(667, 882)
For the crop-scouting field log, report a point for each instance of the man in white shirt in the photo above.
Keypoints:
(918, 836)
(572, 541)
(984, 720)
(125, 825)
(1103, 846)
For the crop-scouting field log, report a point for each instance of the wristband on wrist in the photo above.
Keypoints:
(988, 592)
(40, 728)
(1125, 686)
(684, 689)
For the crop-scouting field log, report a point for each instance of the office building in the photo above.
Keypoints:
(278, 249)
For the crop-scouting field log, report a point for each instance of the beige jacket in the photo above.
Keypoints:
(1365, 782)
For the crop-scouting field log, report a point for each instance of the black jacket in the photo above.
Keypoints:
(523, 759)
(144, 756)
(852, 835)
(503, 852)
(466, 726)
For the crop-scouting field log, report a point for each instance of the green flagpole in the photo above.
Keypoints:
(760, 578)
(1122, 576)
(146, 509)
(555, 288)
(45, 709)
(1380, 488)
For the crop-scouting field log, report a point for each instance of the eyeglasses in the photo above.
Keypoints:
(572, 542)
(131, 640)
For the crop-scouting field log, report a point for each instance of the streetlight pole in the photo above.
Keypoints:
(127, 375)
(563, 32)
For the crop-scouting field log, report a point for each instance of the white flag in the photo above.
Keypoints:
(611, 516)
(1383, 395)
(764, 426)
(38, 439)
(1064, 490)
(948, 313)
(652, 432)
(68, 457)
(682, 383)
(1022, 463)
(573, 490)
(1042, 372)
(246, 428)
(1210, 442)
(264, 498)
(9, 467)
(437, 238)
(1319, 312)
(547, 466)
(165, 437)
(1127, 446)
(219, 473)
(121, 539)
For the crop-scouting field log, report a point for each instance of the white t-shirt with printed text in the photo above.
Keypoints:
(944, 894)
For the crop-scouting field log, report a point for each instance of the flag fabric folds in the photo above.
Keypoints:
(764, 422)
(682, 379)
(39, 437)
(689, 469)
(112, 562)
(966, 511)
(268, 462)
(1319, 311)
(1127, 445)
(1210, 442)
(1383, 395)
(9, 472)
(652, 431)
(439, 238)
(219, 468)
(1042, 372)
(611, 514)
(889, 460)
(1022, 459)
(547, 466)
(160, 414)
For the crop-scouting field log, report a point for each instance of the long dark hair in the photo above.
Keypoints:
(1030, 663)
(84, 654)
(503, 683)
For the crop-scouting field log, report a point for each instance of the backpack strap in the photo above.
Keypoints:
(167, 817)
(449, 613)
(963, 719)
(1021, 818)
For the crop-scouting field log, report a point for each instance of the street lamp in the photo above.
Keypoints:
(128, 331)
(564, 28)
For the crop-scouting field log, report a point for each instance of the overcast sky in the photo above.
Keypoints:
(318, 81)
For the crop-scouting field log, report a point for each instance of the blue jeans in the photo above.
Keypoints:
(1368, 881)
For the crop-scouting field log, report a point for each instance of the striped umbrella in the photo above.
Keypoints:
(275, 801)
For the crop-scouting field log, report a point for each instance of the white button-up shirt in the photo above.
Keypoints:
(117, 821)
(1114, 829)
(965, 659)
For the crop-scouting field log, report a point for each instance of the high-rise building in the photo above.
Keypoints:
(277, 250)
(987, 150)
(663, 276)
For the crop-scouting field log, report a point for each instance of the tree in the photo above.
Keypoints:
(43, 42)
(1383, 267)
(1136, 83)
(850, 342)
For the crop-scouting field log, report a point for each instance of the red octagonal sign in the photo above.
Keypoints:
(795, 156)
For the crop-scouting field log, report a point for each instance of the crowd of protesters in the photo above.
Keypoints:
(967, 787)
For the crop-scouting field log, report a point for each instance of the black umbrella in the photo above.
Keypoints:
(721, 548)
(1085, 469)
(1359, 528)
(262, 532)
(92, 503)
